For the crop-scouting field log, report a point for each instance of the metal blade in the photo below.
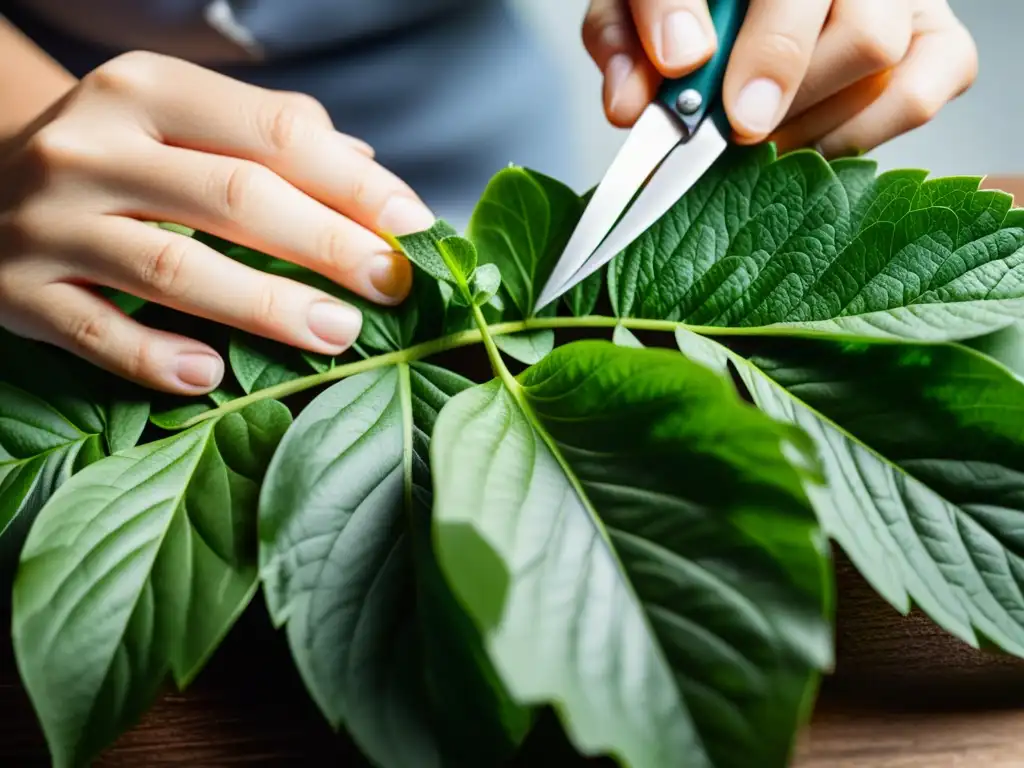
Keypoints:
(681, 170)
(651, 138)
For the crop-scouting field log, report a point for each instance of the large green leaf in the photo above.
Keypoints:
(522, 223)
(347, 566)
(637, 551)
(57, 415)
(801, 246)
(923, 447)
(136, 568)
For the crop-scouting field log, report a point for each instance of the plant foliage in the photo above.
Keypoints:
(629, 530)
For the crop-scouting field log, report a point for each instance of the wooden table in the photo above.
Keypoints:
(248, 708)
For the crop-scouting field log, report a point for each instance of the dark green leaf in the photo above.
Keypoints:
(57, 414)
(582, 297)
(347, 566)
(522, 224)
(636, 550)
(923, 448)
(135, 569)
(527, 346)
(796, 245)
(259, 363)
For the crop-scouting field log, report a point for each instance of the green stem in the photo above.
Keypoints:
(454, 341)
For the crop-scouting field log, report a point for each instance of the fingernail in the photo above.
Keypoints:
(334, 323)
(403, 215)
(391, 275)
(618, 70)
(200, 370)
(758, 105)
(683, 39)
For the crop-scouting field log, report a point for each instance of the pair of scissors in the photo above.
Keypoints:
(677, 138)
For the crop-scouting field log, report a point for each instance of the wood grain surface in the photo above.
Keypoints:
(248, 708)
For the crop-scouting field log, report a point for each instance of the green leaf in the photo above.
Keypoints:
(385, 329)
(259, 363)
(638, 552)
(136, 569)
(522, 224)
(527, 346)
(347, 566)
(486, 281)
(459, 256)
(57, 415)
(923, 448)
(422, 250)
(623, 337)
(803, 247)
(582, 298)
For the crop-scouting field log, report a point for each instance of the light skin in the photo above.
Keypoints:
(151, 138)
(842, 75)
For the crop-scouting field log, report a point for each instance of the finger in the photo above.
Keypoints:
(860, 39)
(630, 81)
(768, 63)
(809, 127)
(182, 273)
(91, 327)
(677, 35)
(939, 67)
(248, 204)
(190, 106)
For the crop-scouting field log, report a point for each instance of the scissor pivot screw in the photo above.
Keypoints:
(689, 101)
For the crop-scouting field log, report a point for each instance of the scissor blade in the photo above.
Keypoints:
(681, 170)
(651, 138)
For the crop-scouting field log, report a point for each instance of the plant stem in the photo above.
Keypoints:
(453, 341)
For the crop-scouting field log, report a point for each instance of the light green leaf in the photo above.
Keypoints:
(486, 281)
(135, 569)
(923, 448)
(422, 250)
(796, 246)
(459, 256)
(347, 566)
(527, 347)
(623, 337)
(638, 552)
(703, 350)
(522, 224)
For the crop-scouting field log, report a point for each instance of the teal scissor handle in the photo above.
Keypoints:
(691, 97)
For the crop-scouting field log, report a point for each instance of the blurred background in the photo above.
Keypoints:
(977, 134)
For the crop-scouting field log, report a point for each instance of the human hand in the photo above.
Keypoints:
(148, 137)
(845, 75)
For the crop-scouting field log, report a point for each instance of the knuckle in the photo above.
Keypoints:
(18, 234)
(126, 74)
(90, 331)
(335, 251)
(877, 47)
(164, 268)
(136, 359)
(52, 149)
(286, 127)
(267, 311)
(917, 105)
(308, 106)
(235, 188)
(784, 52)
